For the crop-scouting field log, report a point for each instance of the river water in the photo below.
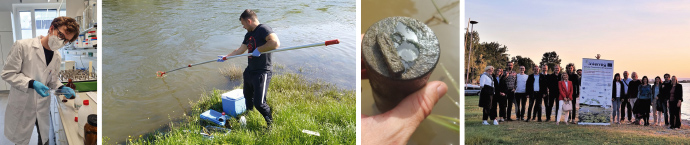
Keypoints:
(449, 38)
(142, 37)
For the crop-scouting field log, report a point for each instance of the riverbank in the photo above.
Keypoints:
(297, 105)
(519, 132)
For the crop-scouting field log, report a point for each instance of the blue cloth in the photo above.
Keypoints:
(221, 58)
(645, 92)
(256, 52)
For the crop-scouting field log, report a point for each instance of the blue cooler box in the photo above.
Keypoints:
(233, 102)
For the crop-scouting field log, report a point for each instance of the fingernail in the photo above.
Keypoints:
(441, 88)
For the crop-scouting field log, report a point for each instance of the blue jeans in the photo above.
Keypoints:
(616, 109)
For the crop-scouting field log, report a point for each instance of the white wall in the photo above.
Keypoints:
(6, 41)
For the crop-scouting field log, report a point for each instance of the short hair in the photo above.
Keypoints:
(488, 67)
(667, 75)
(71, 26)
(248, 14)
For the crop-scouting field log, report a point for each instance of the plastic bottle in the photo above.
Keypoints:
(83, 112)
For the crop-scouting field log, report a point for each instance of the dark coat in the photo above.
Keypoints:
(576, 84)
(633, 88)
(613, 89)
(543, 84)
(678, 94)
(500, 85)
(552, 80)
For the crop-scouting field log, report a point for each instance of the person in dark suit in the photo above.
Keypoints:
(536, 87)
(552, 81)
(573, 77)
(499, 102)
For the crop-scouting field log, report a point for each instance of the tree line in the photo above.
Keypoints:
(495, 54)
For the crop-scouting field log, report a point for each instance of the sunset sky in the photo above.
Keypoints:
(649, 37)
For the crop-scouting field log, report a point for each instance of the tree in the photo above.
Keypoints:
(483, 54)
(550, 59)
(523, 61)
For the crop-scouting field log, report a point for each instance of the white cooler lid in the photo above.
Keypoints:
(236, 94)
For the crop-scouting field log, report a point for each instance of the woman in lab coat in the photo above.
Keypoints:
(32, 69)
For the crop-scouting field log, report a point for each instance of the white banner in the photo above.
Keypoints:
(595, 92)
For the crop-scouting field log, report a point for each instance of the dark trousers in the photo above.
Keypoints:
(38, 130)
(535, 102)
(549, 102)
(626, 104)
(510, 97)
(255, 88)
(498, 104)
(486, 112)
(520, 100)
(573, 113)
(674, 114)
(665, 111)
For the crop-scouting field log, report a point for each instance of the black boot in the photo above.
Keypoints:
(269, 121)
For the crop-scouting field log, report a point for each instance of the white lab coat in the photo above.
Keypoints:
(26, 62)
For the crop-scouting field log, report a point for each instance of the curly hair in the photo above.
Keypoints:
(71, 25)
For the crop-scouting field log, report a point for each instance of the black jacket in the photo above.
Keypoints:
(552, 80)
(500, 85)
(678, 94)
(613, 89)
(543, 84)
(576, 84)
(633, 88)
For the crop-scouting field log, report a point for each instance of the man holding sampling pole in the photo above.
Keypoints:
(257, 75)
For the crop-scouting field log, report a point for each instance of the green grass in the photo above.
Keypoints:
(519, 132)
(297, 105)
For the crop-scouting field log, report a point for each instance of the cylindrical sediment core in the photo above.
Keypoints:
(400, 53)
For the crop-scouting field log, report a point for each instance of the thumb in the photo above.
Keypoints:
(418, 106)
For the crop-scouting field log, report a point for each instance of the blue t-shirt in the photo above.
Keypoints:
(253, 40)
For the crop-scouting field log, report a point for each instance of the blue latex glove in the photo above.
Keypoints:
(41, 89)
(256, 52)
(68, 92)
(222, 58)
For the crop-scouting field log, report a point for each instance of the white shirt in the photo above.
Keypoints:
(618, 90)
(521, 83)
(485, 80)
(536, 82)
(566, 84)
(625, 85)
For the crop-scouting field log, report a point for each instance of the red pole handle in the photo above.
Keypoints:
(331, 42)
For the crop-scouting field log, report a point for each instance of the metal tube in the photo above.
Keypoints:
(400, 53)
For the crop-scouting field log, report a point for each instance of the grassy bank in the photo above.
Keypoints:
(519, 132)
(297, 105)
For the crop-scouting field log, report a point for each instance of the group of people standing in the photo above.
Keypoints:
(503, 89)
(638, 95)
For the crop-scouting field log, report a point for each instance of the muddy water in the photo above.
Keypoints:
(145, 36)
(449, 38)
